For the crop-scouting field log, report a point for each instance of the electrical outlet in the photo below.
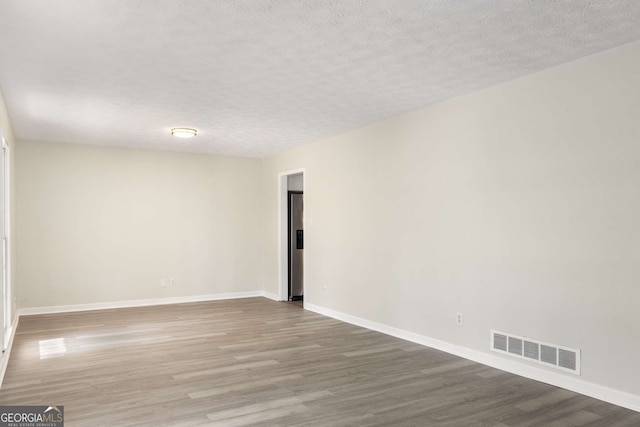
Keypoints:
(459, 318)
(172, 281)
(163, 283)
(324, 289)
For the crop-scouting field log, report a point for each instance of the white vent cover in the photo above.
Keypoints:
(560, 357)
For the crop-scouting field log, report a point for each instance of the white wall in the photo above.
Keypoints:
(106, 224)
(517, 205)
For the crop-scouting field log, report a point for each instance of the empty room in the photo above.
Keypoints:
(320, 213)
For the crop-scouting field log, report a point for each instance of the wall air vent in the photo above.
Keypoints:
(557, 356)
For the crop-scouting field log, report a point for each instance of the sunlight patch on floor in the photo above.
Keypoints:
(52, 348)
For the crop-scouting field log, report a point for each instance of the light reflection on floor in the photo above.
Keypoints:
(110, 339)
(52, 348)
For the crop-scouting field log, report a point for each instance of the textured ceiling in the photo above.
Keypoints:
(256, 77)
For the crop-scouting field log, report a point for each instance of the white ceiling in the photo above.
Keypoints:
(256, 77)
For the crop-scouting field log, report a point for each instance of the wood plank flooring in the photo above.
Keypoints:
(259, 362)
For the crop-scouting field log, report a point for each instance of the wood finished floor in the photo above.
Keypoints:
(259, 362)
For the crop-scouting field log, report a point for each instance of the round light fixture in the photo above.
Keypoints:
(184, 132)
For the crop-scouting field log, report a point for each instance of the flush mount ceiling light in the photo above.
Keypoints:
(184, 132)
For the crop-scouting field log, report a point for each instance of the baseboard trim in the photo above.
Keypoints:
(137, 303)
(616, 397)
(271, 296)
(4, 363)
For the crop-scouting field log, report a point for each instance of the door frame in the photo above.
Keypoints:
(283, 232)
(5, 243)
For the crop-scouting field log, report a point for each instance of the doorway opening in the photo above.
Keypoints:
(295, 213)
(291, 236)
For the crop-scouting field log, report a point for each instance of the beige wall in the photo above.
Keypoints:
(517, 205)
(105, 224)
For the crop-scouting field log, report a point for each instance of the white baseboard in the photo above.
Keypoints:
(136, 303)
(269, 295)
(5, 357)
(617, 397)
